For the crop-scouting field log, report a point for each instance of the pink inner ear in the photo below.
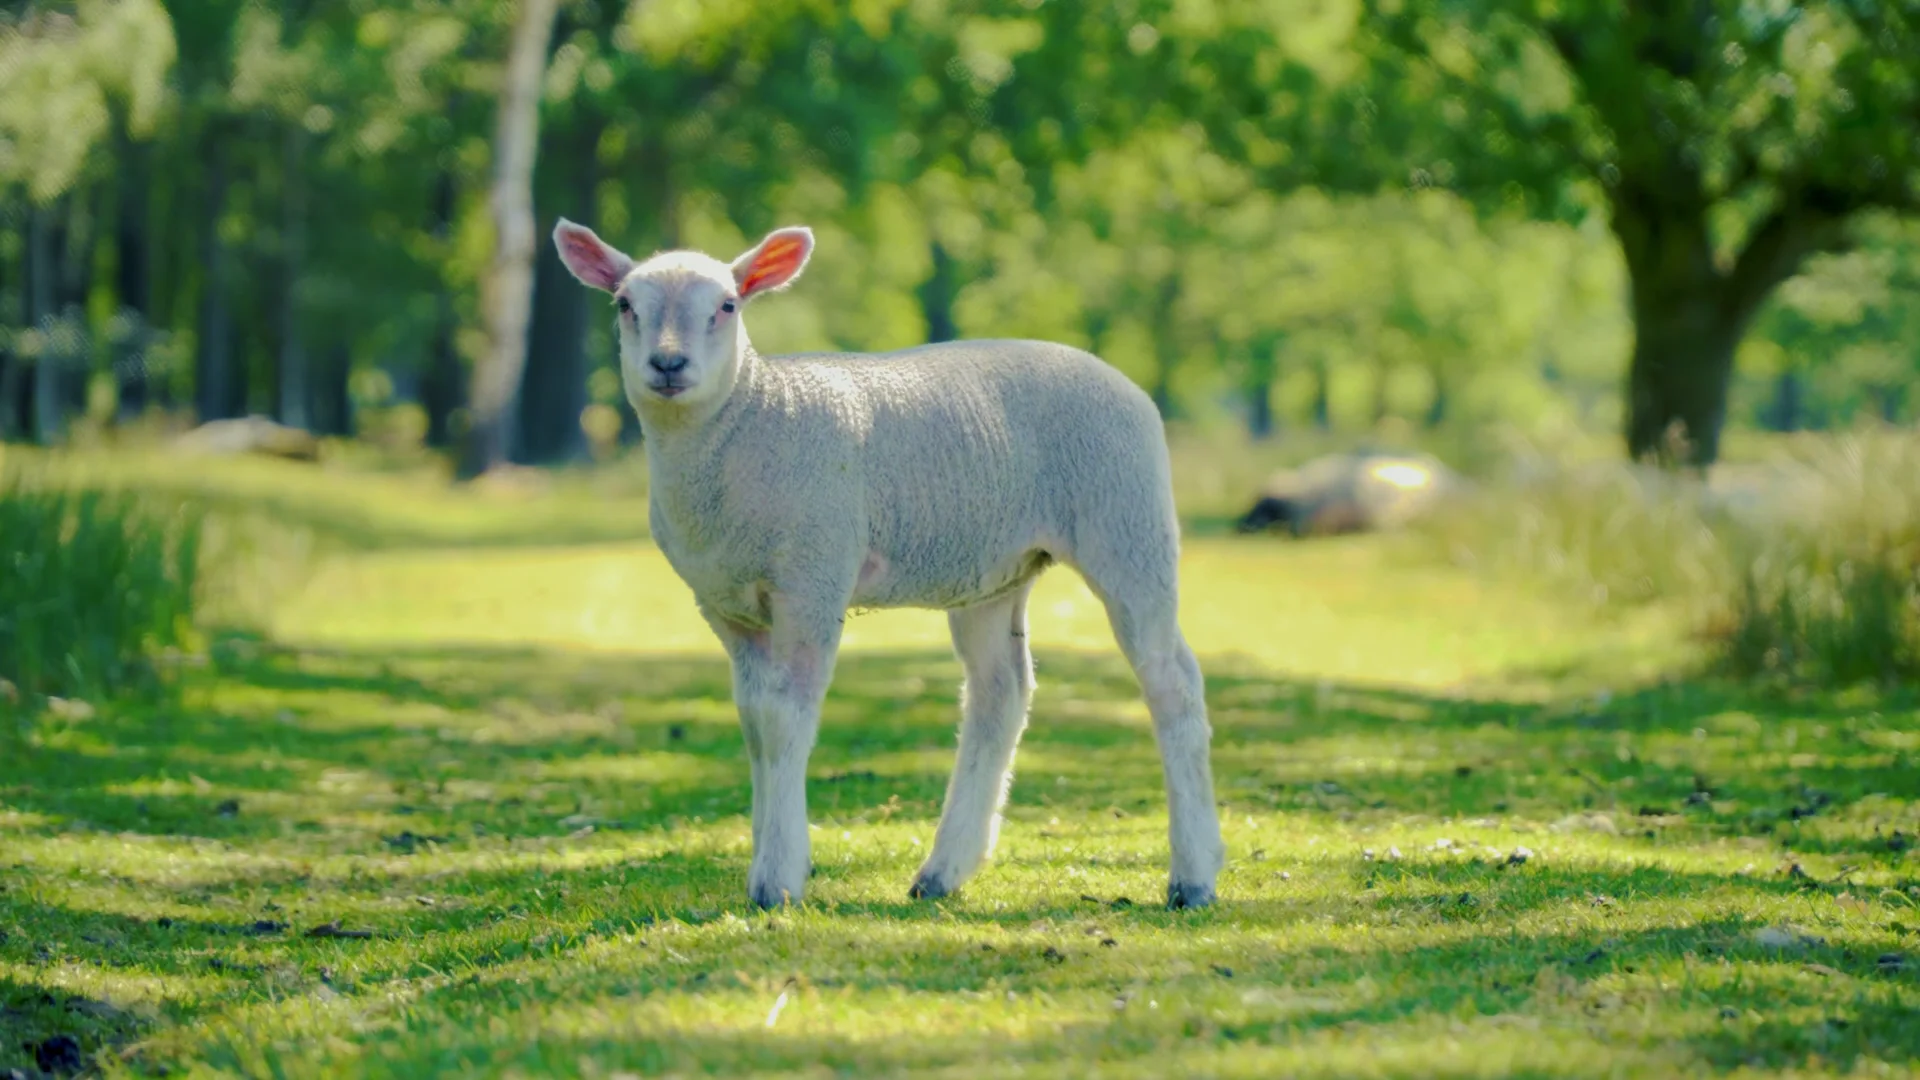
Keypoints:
(590, 259)
(779, 258)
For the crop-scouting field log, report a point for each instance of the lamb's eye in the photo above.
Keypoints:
(726, 306)
(625, 305)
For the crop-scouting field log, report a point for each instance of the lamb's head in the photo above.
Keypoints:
(678, 313)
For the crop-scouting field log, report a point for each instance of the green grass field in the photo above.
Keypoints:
(485, 745)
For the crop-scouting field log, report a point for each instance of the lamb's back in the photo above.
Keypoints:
(978, 450)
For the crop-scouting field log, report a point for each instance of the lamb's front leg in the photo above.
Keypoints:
(780, 679)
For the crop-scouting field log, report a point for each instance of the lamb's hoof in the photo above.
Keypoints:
(1182, 895)
(929, 887)
(768, 896)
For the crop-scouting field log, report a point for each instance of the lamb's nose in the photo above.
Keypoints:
(667, 363)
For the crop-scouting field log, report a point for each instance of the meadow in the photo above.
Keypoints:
(449, 784)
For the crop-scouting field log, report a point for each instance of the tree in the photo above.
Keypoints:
(1728, 142)
(68, 76)
(710, 109)
(1843, 338)
(508, 287)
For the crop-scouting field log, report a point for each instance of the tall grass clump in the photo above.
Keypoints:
(1806, 569)
(1610, 535)
(1832, 594)
(93, 584)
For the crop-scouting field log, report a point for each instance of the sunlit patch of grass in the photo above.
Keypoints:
(1465, 838)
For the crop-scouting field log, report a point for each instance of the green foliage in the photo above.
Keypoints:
(1782, 110)
(1727, 143)
(92, 585)
(1842, 341)
(1265, 213)
(65, 74)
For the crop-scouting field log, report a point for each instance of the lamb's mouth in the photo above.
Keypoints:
(667, 390)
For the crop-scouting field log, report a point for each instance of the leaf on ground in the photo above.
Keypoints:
(98, 1010)
(334, 930)
(70, 709)
(407, 842)
(59, 1054)
(1781, 937)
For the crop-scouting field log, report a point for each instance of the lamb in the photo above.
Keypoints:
(787, 490)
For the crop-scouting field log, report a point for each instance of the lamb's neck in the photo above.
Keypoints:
(683, 444)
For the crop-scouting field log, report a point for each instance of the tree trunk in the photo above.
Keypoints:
(12, 382)
(1166, 348)
(217, 389)
(1442, 400)
(1260, 408)
(332, 401)
(1789, 394)
(133, 280)
(45, 239)
(1892, 400)
(507, 290)
(12, 313)
(1677, 380)
(1381, 377)
(79, 255)
(441, 391)
(937, 295)
(1690, 313)
(295, 382)
(1322, 408)
(553, 387)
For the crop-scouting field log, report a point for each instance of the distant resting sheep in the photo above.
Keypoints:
(1349, 493)
(786, 490)
(251, 435)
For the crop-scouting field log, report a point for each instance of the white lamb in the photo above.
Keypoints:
(786, 490)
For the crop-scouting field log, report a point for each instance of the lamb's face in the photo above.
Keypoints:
(679, 325)
(678, 313)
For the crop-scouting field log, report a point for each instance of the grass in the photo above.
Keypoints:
(92, 585)
(1471, 833)
(1810, 573)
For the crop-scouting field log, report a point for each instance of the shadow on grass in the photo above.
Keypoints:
(1248, 973)
(650, 739)
(450, 799)
(1274, 998)
(1598, 983)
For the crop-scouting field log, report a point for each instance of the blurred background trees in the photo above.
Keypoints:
(1383, 220)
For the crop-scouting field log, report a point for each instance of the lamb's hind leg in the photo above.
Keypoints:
(991, 640)
(1141, 602)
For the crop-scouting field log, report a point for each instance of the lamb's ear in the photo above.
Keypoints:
(776, 261)
(590, 258)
